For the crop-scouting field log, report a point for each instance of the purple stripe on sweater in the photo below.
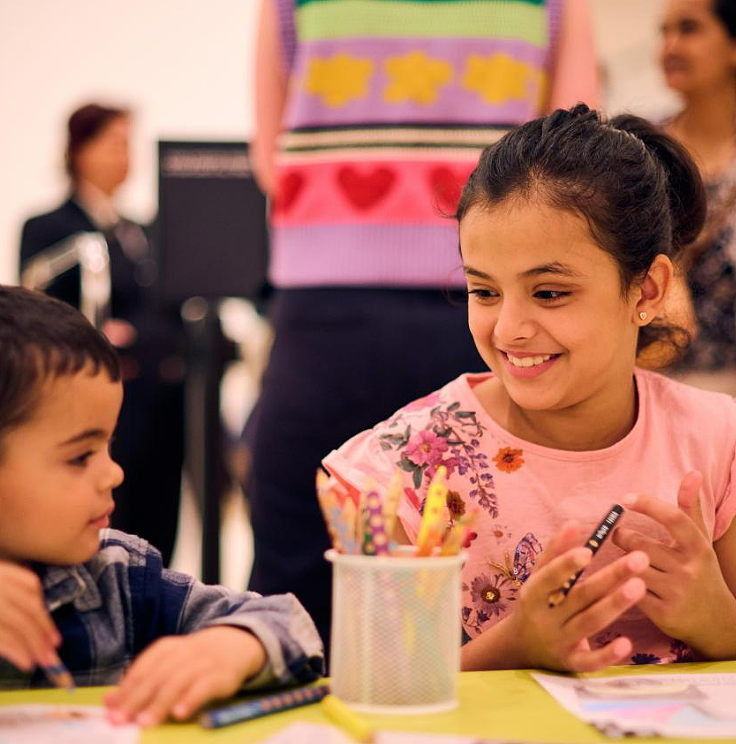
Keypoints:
(453, 102)
(366, 255)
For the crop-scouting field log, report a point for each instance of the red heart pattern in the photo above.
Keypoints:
(365, 190)
(289, 188)
(447, 186)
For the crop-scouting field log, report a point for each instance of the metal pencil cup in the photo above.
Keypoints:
(395, 632)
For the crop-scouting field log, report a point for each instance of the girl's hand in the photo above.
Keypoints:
(28, 636)
(557, 638)
(687, 596)
(177, 675)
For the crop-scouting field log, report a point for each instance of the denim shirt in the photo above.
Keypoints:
(113, 606)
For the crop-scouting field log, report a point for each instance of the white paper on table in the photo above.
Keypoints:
(312, 733)
(675, 705)
(61, 724)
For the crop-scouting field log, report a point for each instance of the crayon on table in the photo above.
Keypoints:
(340, 714)
(246, 711)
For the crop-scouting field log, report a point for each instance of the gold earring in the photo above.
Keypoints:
(643, 315)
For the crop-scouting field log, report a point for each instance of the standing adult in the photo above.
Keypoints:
(698, 58)
(148, 442)
(370, 117)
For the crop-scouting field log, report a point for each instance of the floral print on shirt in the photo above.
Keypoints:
(450, 438)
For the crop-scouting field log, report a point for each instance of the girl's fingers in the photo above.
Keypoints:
(566, 539)
(661, 556)
(591, 661)
(683, 530)
(551, 577)
(29, 635)
(601, 614)
(600, 584)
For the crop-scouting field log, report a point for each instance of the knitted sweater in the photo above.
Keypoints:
(390, 104)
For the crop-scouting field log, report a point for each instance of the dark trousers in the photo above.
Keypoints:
(342, 360)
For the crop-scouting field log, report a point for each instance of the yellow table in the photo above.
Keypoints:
(500, 705)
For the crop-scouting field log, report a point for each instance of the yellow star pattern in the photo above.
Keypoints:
(340, 79)
(498, 78)
(415, 77)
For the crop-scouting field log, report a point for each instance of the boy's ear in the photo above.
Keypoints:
(654, 290)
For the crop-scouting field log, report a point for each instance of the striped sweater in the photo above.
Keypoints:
(390, 104)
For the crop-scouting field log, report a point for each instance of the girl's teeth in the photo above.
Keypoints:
(528, 361)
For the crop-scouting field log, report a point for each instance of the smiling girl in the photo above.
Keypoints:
(569, 227)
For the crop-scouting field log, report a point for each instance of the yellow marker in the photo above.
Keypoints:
(346, 719)
(430, 531)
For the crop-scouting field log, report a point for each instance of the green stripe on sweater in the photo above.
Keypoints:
(503, 19)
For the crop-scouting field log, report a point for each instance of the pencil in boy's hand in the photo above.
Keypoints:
(59, 676)
(593, 542)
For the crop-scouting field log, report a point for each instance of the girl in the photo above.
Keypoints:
(569, 227)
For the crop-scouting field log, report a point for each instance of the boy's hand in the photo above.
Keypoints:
(28, 636)
(177, 675)
(557, 637)
(687, 596)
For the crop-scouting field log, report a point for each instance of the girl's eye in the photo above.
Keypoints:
(81, 460)
(483, 294)
(550, 295)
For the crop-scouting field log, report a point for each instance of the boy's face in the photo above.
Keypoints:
(56, 474)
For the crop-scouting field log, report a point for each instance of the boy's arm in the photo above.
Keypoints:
(166, 602)
(293, 647)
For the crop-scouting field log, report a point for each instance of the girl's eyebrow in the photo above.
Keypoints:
(86, 434)
(555, 267)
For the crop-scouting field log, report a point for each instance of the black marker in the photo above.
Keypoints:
(593, 542)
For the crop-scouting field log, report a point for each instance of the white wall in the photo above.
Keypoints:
(183, 66)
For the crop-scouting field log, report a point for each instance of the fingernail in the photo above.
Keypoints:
(145, 719)
(117, 716)
(632, 588)
(628, 499)
(180, 711)
(638, 561)
(620, 646)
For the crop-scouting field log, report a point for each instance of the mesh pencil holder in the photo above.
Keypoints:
(395, 632)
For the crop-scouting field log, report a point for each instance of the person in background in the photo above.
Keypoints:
(698, 58)
(368, 124)
(149, 438)
(96, 600)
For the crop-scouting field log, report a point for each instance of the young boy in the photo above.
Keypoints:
(99, 600)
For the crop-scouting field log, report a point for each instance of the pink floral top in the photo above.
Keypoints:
(525, 492)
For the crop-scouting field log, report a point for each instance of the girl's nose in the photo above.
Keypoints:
(513, 323)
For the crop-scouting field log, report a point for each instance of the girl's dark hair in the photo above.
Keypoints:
(725, 11)
(42, 338)
(637, 188)
(84, 125)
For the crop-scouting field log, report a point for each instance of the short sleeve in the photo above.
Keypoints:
(359, 459)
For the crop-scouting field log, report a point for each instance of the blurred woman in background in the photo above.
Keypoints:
(698, 58)
(148, 442)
